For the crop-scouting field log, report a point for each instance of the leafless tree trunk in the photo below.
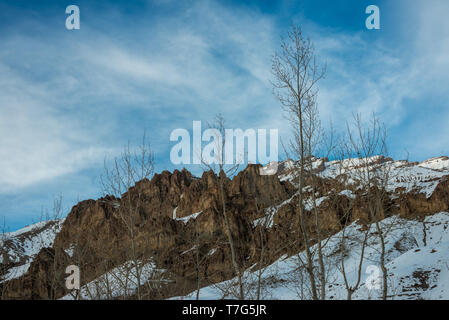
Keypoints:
(350, 289)
(261, 262)
(296, 74)
(53, 217)
(199, 256)
(128, 169)
(368, 142)
(218, 166)
(345, 165)
(264, 224)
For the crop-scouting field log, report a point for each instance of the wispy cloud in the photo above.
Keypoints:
(38, 142)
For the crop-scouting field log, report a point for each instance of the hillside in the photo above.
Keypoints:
(417, 259)
(181, 219)
(18, 249)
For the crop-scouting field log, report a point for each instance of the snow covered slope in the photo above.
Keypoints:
(18, 248)
(417, 256)
(417, 262)
(422, 177)
(118, 282)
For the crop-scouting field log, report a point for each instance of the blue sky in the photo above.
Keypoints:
(70, 98)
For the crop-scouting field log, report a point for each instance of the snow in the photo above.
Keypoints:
(417, 177)
(269, 169)
(189, 217)
(70, 250)
(16, 272)
(186, 218)
(120, 281)
(309, 204)
(440, 163)
(38, 225)
(347, 193)
(270, 212)
(23, 245)
(417, 264)
(267, 219)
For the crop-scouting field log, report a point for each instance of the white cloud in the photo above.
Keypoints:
(37, 143)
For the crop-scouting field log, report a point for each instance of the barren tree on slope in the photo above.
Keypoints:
(368, 142)
(200, 254)
(128, 169)
(215, 161)
(358, 239)
(52, 219)
(296, 74)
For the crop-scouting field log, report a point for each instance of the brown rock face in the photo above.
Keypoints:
(416, 205)
(42, 278)
(99, 239)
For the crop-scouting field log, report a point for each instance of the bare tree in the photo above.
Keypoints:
(55, 282)
(200, 254)
(128, 169)
(217, 165)
(262, 225)
(317, 142)
(345, 208)
(296, 74)
(263, 244)
(369, 145)
(47, 226)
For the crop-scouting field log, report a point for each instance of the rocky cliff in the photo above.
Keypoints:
(179, 222)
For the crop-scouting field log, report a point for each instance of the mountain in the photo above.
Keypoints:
(180, 235)
(18, 249)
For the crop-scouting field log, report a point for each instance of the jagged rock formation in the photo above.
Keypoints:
(99, 240)
(181, 213)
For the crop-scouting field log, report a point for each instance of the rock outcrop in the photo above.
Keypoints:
(180, 217)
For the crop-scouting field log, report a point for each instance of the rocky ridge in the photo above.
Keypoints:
(181, 212)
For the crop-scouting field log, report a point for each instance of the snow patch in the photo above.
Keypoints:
(189, 217)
